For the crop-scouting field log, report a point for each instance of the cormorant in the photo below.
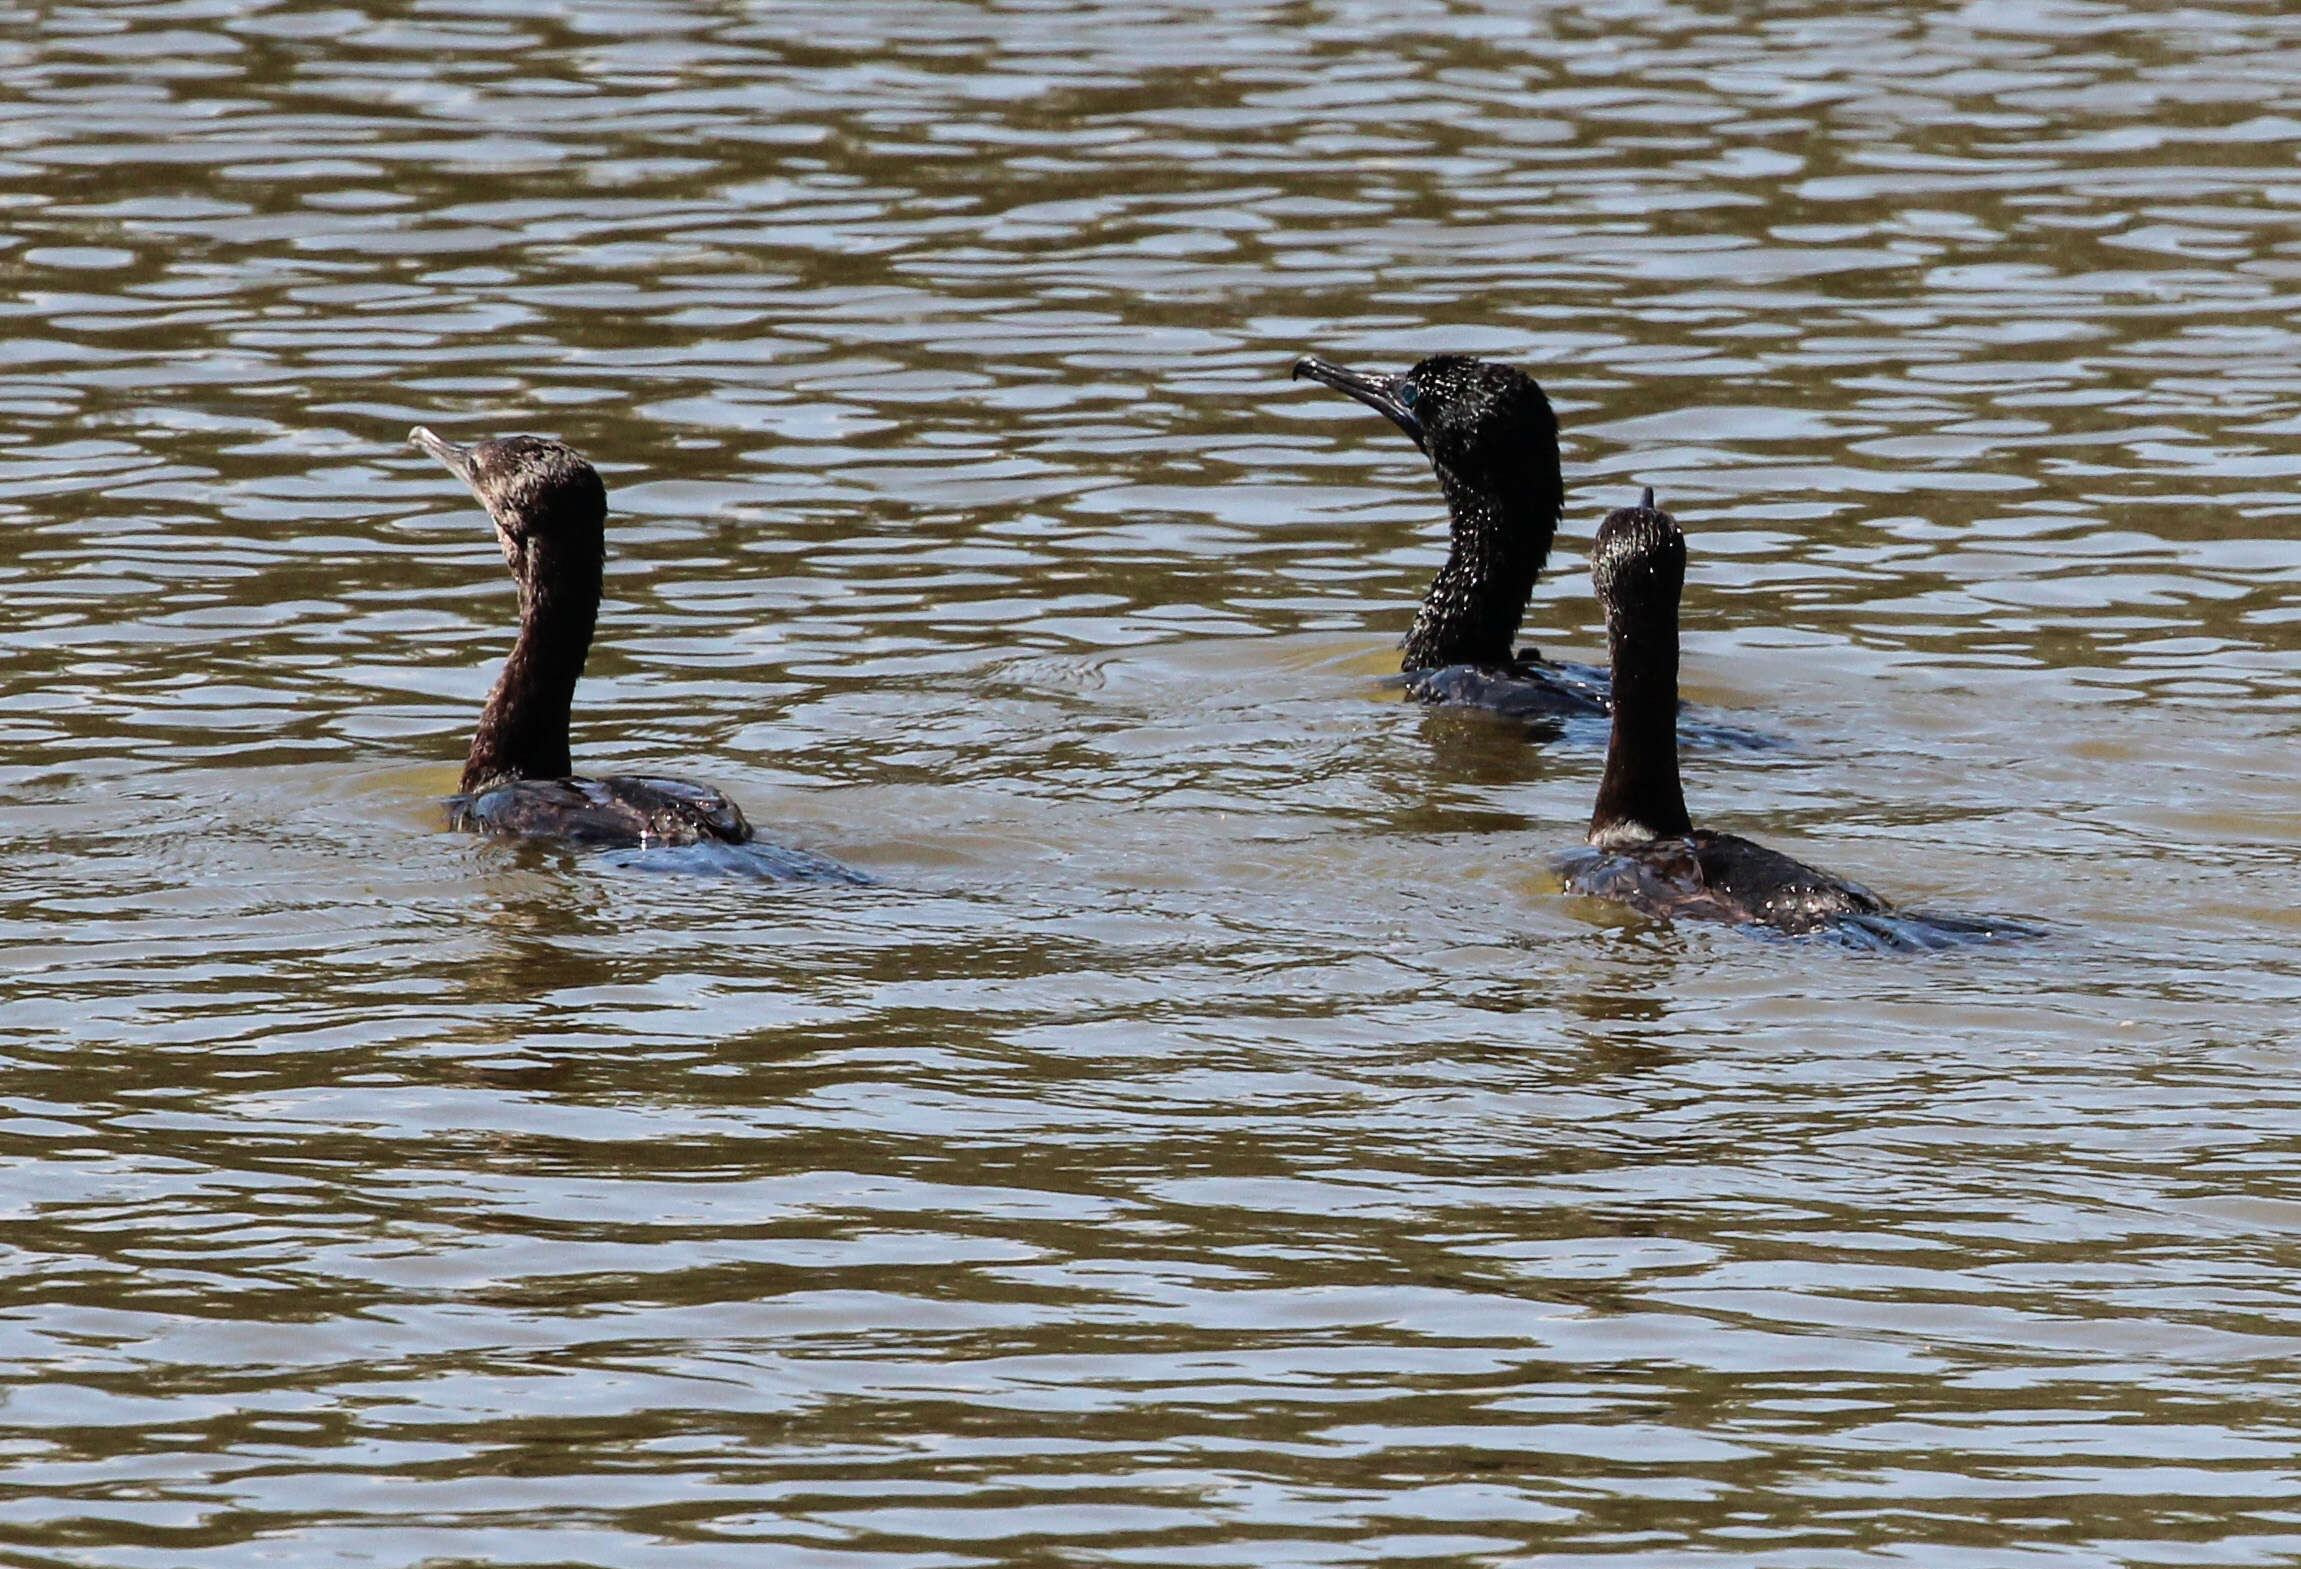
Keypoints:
(1493, 441)
(550, 513)
(1645, 851)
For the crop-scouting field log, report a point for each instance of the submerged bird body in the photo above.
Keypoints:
(1721, 877)
(1645, 851)
(1492, 441)
(550, 514)
(1526, 688)
(619, 810)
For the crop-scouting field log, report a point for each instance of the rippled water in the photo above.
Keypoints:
(1216, 1141)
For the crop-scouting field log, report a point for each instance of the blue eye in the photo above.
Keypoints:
(1407, 393)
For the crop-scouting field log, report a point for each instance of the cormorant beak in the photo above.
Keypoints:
(457, 459)
(1376, 392)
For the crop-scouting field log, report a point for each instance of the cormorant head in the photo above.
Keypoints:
(1480, 422)
(1638, 565)
(540, 493)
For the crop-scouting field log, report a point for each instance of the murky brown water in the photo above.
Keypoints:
(1215, 1143)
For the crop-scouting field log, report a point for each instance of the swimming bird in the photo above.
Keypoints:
(550, 513)
(1492, 439)
(1645, 851)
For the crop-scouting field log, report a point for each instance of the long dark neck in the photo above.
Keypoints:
(1471, 614)
(522, 731)
(1640, 797)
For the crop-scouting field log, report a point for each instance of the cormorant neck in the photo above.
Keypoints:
(522, 731)
(1640, 798)
(1500, 541)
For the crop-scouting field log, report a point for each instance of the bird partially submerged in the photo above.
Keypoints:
(1492, 440)
(550, 514)
(1645, 850)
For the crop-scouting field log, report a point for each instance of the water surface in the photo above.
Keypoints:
(1215, 1141)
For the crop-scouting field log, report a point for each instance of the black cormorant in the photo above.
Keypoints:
(550, 514)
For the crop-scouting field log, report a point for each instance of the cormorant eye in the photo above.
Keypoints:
(1407, 393)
